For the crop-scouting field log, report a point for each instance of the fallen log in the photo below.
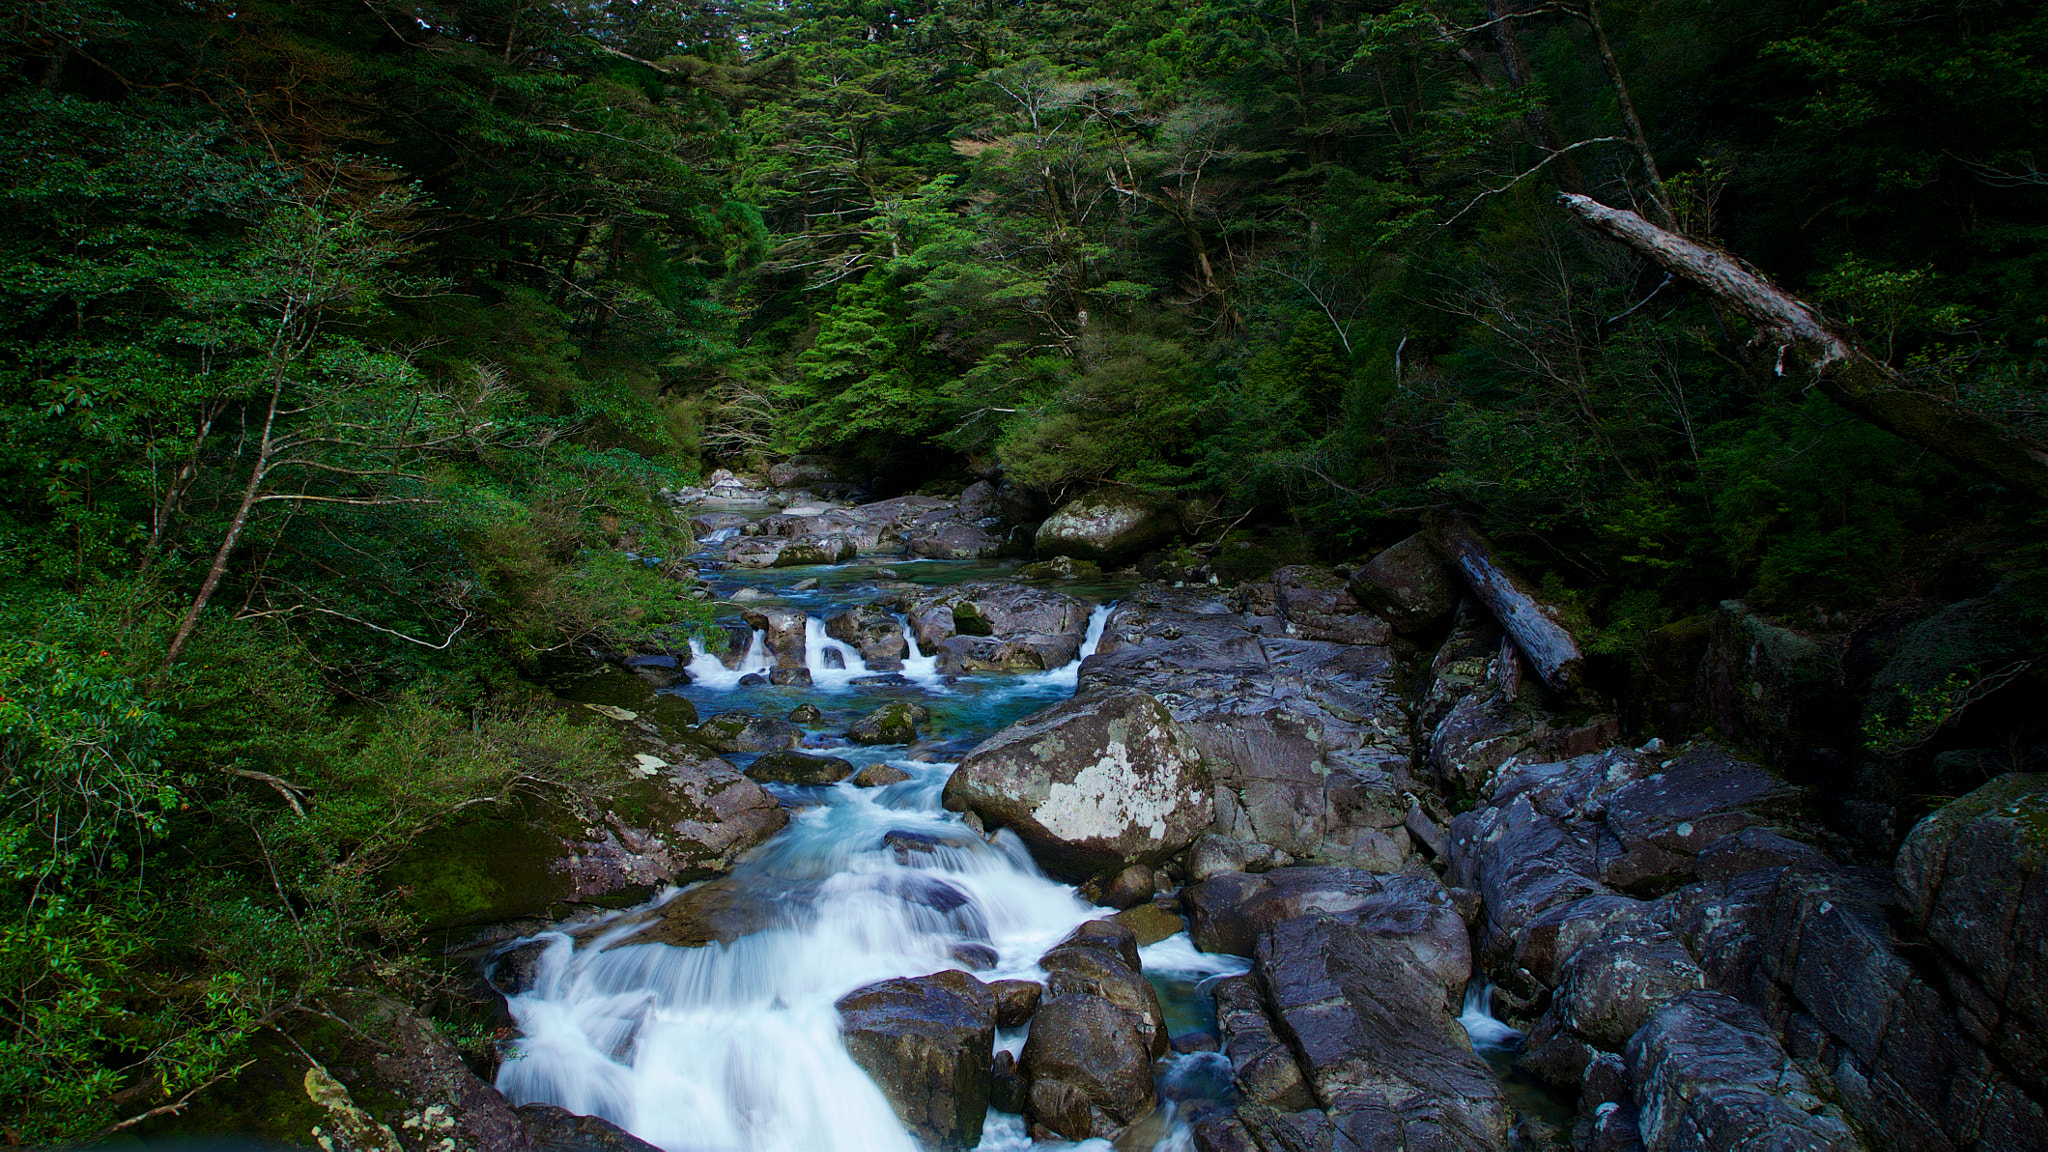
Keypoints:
(1551, 649)
(1843, 372)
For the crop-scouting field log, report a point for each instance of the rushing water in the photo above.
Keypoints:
(737, 1046)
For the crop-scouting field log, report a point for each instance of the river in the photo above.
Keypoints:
(737, 1046)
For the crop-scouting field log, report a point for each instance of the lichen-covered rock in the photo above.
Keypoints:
(929, 1044)
(1408, 585)
(1316, 606)
(1093, 784)
(800, 768)
(1107, 526)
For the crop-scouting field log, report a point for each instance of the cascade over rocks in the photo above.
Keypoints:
(1092, 785)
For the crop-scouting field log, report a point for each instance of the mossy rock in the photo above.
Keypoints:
(892, 723)
(968, 620)
(798, 768)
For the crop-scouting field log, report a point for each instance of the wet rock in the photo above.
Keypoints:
(805, 714)
(718, 912)
(929, 1044)
(1972, 875)
(1016, 1000)
(1408, 584)
(1222, 1134)
(893, 723)
(879, 775)
(782, 631)
(1710, 1075)
(1125, 889)
(1107, 526)
(1377, 1040)
(1109, 936)
(875, 634)
(1188, 1042)
(1095, 783)
(1086, 968)
(1214, 855)
(551, 1129)
(745, 732)
(797, 677)
(1150, 922)
(953, 540)
(513, 970)
(1263, 1066)
(1008, 1090)
(799, 768)
(798, 471)
(975, 956)
(1542, 947)
(1090, 1068)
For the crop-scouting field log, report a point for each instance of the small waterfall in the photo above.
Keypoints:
(1068, 675)
(737, 1046)
(720, 536)
(1487, 1033)
(919, 668)
(821, 652)
(710, 671)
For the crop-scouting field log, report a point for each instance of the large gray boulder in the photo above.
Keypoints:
(1378, 1043)
(1972, 875)
(1107, 526)
(1409, 585)
(929, 1044)
(783, 633)
(1092, 785)
(1709, 1075)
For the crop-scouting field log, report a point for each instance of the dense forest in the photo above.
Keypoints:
(347, 348)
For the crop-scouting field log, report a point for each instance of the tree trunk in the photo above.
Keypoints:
(1541, 128)
(1843, 372)
(1534, 626)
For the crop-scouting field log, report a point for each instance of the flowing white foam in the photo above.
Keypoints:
(918, 668)
(737, 1046)
(710, 671)
(719, 536)
(1487, 1033)
(833, 664)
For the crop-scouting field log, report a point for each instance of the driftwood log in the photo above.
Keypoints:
(1843, 372)
(1552, 651)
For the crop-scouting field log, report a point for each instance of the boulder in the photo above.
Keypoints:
(1709, 1074)
(879, 775)
(1090, 1069)
(893, 723)
(552, 1129)
(1125, 889)
(1610, 986)
(1150, 922)
(1413, 915)
(1377, 1041)
(717, 912)
(1262, 1065)
(1016, 1000)
(790, 767)
(782, 631)
(1092, 784)
(746, 732)
(1972, 875)
(953, 540)
(929, 1044)
(1316, 606)
(875, 634)
(1107, 526)
(688, 821)
(1082, 967)
(1408, 585)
